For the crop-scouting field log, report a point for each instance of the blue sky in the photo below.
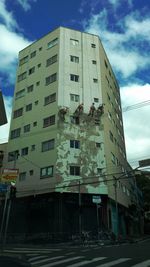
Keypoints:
(124, 29)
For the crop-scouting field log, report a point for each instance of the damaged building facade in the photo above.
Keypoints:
(67, 140)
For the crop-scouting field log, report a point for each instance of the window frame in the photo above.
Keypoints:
(51, 60)
(15, 133)
(26, 128)
(74, 170)
(31, 70)
(48, 145)
(49, 121)
(74, 59)
(52, 43)
(75, 144)
(49, 99)
(24, 151)
(29, 107)
(51, 78)
(74, 77)
(47, 175)
(74, 98)
(22, 76)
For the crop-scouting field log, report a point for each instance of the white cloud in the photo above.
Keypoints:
(26, 4)
(136, 122)
(9, 52)
(6, 16)
(4, 130)
(11, 43)
(117, 3)
(123, 44)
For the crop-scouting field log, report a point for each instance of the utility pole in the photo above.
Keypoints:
(80, 219)
(97, 206)
(9, 203)
(4, 212)
(116, 208)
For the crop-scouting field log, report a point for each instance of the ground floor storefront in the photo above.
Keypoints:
(59, 216)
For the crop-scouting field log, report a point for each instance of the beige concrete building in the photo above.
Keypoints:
(66, 122)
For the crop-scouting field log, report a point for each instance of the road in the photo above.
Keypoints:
(124, 255)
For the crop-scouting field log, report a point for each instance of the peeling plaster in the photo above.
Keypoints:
(88, 157)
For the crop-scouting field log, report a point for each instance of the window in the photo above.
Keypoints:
(96, 100)
(74, 98)
(31, 172)
(124, 189)
(18, 113)
(38, 83)
(40, 48)
(36, 102)
(33, 54)
(105, 64)
(75, 120)
(113, 159)
(23, 60)
(98, 145)
(74, 42)
(75, 144)
(24, 151)
(75, 170)
(47, 172)
(49, 99)
(94, 62)
(52, 43)
(50, 79)
(109, 115)
(99, 170)
(28, 107)
(32, 147)
(22, 76)
(74, 59)
(108, 96)
(48, 145)
(20, 93)
(34, 123)
(30, 88)
(95, 80)
(107, 79)
(51, 60)
(13, 155)
(31, 70)
(74, 77)
(39, 65)
(22, 176)
(15, 133)
(27, 128)
(93, 45)
(49, 121)
(111, 136)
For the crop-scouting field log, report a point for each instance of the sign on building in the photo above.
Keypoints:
(9, 175)
(3, 188)
(96, 199)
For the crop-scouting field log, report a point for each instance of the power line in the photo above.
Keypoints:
(74, 185)
(136, 106)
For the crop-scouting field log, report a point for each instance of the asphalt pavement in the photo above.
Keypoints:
(120, 255)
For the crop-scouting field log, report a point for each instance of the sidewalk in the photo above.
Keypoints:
(78, 243)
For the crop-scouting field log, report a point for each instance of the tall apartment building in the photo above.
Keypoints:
(66, 134)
